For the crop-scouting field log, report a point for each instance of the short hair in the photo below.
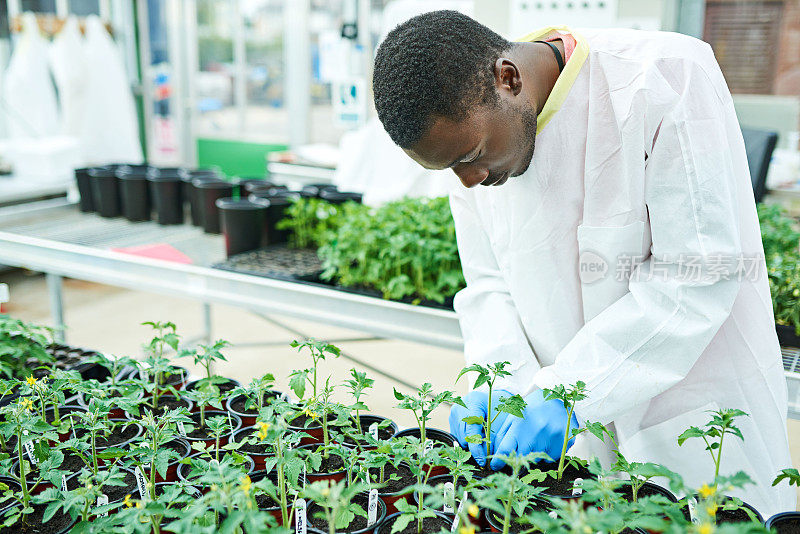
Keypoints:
(436, 64)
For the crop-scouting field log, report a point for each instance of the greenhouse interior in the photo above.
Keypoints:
(399, 266)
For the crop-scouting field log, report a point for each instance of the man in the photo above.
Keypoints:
(617, 244)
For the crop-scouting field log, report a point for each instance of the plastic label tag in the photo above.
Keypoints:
(692, 503)
(181, 428)
(102, 500)
(457, 518)
(449, 498)
(304, 476)
(64, 482)
(141, 482)
(552, 514)
(300, 516)
(28, 446)
(428, 445)
(373, 431)
(373, 507)
(72, 426)
(577, 487)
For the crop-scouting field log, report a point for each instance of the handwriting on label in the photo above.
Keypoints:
(373, 507)
(28, 446)
(373, 430)
(457, 518)
(102, 500)
(577, 487)
(64, 482)
(181, 428)
(300, 516)
(141, 482)
(428, 445)
(449, 498)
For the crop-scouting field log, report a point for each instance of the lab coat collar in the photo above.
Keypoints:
(566, 78)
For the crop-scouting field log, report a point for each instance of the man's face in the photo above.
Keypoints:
(493, 143)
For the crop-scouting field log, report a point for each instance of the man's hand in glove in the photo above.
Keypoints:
(477, 403)
(541, 430)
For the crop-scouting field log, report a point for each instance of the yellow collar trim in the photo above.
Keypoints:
(566, 78)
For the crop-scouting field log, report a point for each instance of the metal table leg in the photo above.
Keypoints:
(55, 289)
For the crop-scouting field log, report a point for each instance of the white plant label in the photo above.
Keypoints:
(373, 507)
(449, 498)
(553, 514)
(692, 502)
(64, 482)
(300, 516)
(457, 519)
(373, 431)
(72, 426)
(141, 482)
(428, 445)
(181, 428)
(102, 500)
(577, 487)
(304, 476)
(28, 446)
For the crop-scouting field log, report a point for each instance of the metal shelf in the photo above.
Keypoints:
(62, 242)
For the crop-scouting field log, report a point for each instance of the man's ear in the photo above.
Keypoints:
(507, 76)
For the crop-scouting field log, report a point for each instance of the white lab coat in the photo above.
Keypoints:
(68, 63)
(645, 158)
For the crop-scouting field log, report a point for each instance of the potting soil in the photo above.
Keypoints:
(429, 524)
(404, 478)
(57, 524)
(786, 526)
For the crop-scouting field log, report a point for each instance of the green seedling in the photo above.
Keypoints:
(158, 431)
(336, 501)
(206, 356)
(513, 405)
(318, 351)
(714, 432)
(165, 336)
(790, 475)
(569, 396)
(422, 404)
(255, 392)
(357, 385)
(81, 502)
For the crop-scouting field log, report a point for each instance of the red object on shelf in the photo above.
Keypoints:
(157, 251)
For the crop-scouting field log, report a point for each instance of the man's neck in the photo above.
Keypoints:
(539, 69)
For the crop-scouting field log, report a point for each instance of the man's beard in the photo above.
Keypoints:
(527, 142)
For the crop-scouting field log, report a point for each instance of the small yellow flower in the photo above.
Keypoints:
(706, 491)
(245, 485)
(127, 502)
(43, 380)
(30, 380)
(711, 510)
(466, 530)
(311, 413)
(26, 404)
(705, 528)
(262, 430)
(214, 487)
(138, 504)
(473, 511)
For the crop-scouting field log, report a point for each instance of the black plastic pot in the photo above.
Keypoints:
(242, 223)
(105, 191)
(340, 197)
(208, 193)
(267, 190)
(188, 175)
(787, 336)
(247, 184)
(316, 189)
(86, 203)
(784, 523)
(167, 195)
(134, 192)
(276, 210)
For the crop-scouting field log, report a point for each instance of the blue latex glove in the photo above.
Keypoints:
(541, 430)
(477, 403)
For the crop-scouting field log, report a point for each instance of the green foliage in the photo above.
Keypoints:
(402, 249)
(714, 432)
(313, 222)
(780, 236)
(21, 342)
(569, 396)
